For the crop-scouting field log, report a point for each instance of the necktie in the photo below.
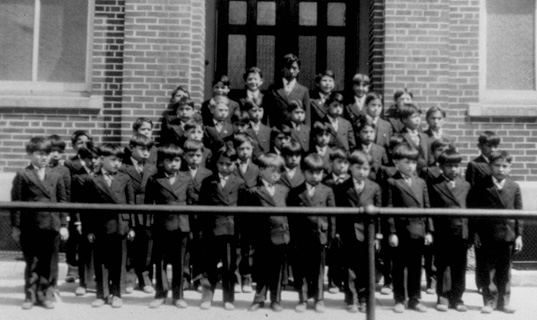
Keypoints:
(218, 126)
(108, 178)
(140, 167)
(358, 188)
(171, 178)
(408, 181)
(243, 166)
(452, 184)
(311, 192)
(40, 173)
(223, 181)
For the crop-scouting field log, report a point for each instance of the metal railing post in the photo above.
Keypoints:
(371, 273)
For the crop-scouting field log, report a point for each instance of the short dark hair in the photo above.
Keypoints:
(295, 104)
(363, 121)
(339, 153)
(488, 138)
(289, 59)
(372, 96)
(192, 123)
(320, 128)
(141, 140)
(168, 151)
(293, 148)
(361, 78)
(137, 124)
(249, 104)
(334, 97)
(360, 158)
(396, 141)
(240, 117)
(434, 109)
(77, 134)
(218, 100)
(404, 151)
(224, 79)
(193, 145)
(57, 143)
(111, 149)
(450, 156)
(312, 162)
(500, 155)
(271, 160)
(227, 152)
(87, 151)
(440, 143)
(252, 70)
(399, 93)
(38, 143)
(183, 101)
(241, 138)
(174, 93)
(326, 73)
(408, 110)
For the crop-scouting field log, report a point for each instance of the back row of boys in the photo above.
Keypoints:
(233, 168)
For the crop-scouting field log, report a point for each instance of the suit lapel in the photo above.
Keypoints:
(35, 179)
(165, 183)
(409, 190)
(444, 188)
(303, 195)
(133, 173)
(351, 192)
(263, 194)
(101, 184)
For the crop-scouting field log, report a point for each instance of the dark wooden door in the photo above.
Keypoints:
(323, 33)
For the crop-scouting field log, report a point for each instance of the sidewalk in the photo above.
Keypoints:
(135, 305)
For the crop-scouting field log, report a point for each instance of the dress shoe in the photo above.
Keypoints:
(229, 306)
(507, 309)
(148, 289)
(156, 303)
(362, 307)
(386, 290)
(205, 305)
(301, 307)
(47, 304)
(80, 291)
(256, 306)
(237, 288)
(430, 291)
(319, 307)
(129, 289)
(352, 308)
(399, 308)
(27, 305)
(461, 307)
(418, 307)
(72, 274)
(98, 303)
(117, 302)
(276, 307)
(247, 288)
(441, 307)
(487, 309)
(181, 304)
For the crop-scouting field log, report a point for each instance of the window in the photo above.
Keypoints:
(45, 46)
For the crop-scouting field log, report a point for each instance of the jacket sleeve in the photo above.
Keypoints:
(61, 197)
(331, 202)
(519, 224)
(429, 227)
(16, 195)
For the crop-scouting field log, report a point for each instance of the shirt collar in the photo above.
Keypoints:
(267, 184)
(252, 94)
(498, 183)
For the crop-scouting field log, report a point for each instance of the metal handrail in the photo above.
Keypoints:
(370, 213)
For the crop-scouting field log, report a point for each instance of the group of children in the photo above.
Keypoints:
(283, 147)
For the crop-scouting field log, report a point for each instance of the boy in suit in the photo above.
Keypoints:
(408, 235)
(78, 139)
(325, 83)
(411, 117)
(259, 132)
(171, 231)
(174, 131)
(356, 192)
(292, 155)
(287, 89)
(342, 132)
(366, 136)
(245, 168)
(219, 129)
(497, 239)
(311, 234)
(373, 110)
(479, 168)
(272, 232)
(137, 167)
(194, 131)
(221, 88)
(279, 138)
(355, 105)
(219, 238)
(322, 134)
(39, 233)
(108, 232)
(448, 190)
(435, 118)
(299, 131)
(253, 81)
(400, 98)
(144, 126)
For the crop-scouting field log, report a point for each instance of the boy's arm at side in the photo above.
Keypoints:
(331, 202)
(16, 195)
(519, 224)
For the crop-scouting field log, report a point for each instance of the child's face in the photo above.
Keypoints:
(185, 112)
(55, 157)
(340, 166)
(225, 166)
(254, 81)
(438, 151)
(256, 114)
(360, 89)
(270, 174)
(179, 95)
(220, 112)
(92, 163)
(146, 129)
(291, 72)
(335, 109)
(244, 151)
(406, 166)
(298, 116)
(171, 165)
(140, 153)
(326, 84)
(435, 121)
(281, 140)
(367, 135)
(39, 159)
(500, 169)
(195, 133)
(292, 161)
(111, 163)
(487, 149)
(220, 89)
(413, 122)
(193, 158)
(374, 108)
(313, 177)
(451, 170)
(322, 139)
(405, 98)
(239, 127)
(81, 140)
(360, 172)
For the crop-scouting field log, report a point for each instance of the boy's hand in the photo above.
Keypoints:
(16, 234)
(518, 244)
(393, 240)
(91, 238)
(477, 241)
(428, 239)
(64, 233)
(130, 235)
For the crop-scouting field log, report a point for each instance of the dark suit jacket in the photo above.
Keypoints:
(272, 229)
(215, 140)
(65, 173)
(392, 116)
(207, 116)
(159, 191)
(384, 132)
(212, 194)
(251, 175)
(171, 131)
(477, 171)
(197, 181)
(487, 196)
(297, 179)
(28, 188)
(326, 159)
(120, 192)
(329, 180)
(302, 136)
(344, 136)
(380, 158)
(351, 228)
(309, 230)
(262, 138)
(276, 103)
(441, 195)
(241, 96)
(352, 111)
(400, 195)
(318, 109)
(139, 183)
(425, 155)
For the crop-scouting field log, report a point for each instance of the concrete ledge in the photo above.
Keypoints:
(494, 110)
(61, 101)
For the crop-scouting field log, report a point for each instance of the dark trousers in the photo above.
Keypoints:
(169, 248)
(450, 262)
(72, 246)
(139, 261)
(269, 264)
(408, 256)
(495, 272)
(308, 270)
(386, 254)
(245, 251)
(86, 270)
(356, 267)
(428, 265)
(40, 249)
(193, 260)
(335, 259)
(108, 259)
(215, 249)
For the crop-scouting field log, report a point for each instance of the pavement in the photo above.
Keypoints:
(70, 307)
